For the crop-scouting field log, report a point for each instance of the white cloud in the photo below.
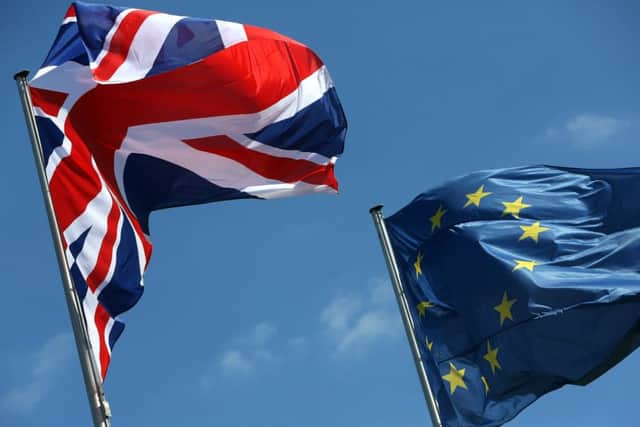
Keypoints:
(588, 130)
(47, 363)
(338, 315)
(234, 362)
(352, 323)
(260, 335)
(381, 292)
(249, 353)
(355, 322)
(370, 326)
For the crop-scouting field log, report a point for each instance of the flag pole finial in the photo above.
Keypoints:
(376, 208)
(22, 74)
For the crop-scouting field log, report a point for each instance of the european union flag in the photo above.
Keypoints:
(520, 281)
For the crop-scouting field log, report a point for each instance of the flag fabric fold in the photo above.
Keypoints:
(140, 110)
(520, 281)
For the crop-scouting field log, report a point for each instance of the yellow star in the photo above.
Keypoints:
(422, 307)
(455, 378)
(474, 198)
(486, 384)
(492, 358)
(429, 344)
(514, 207)
(532, 231)
(436, 219)
(418, 265)
(504, 308)
(529, 265)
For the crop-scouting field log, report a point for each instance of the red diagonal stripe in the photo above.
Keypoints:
(258, 33)
(71, 12)
(75, 178)
(105, 255)
(271, 167)
(120, 44)
(49, 101)
(101, 319)
(73, 185)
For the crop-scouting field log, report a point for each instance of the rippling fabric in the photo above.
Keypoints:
(141, 110)
(520, 281)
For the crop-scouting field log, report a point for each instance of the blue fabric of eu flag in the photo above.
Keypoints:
(520, 281)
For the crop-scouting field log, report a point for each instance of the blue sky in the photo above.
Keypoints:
(280, 313)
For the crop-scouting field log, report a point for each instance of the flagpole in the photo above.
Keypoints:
(100, 410)
(403, 305)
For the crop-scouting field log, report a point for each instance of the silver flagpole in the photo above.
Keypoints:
(100, 410)
(381, 228)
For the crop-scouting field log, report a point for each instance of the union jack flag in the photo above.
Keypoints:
(140, 110)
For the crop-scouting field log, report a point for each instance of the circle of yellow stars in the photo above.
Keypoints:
(532, 232)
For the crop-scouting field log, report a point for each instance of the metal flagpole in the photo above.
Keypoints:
(378, 220)
(100, 410)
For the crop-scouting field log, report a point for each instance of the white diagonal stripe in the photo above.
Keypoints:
(231, 32)
(145, 47)
(106, 45)
(94, 219)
